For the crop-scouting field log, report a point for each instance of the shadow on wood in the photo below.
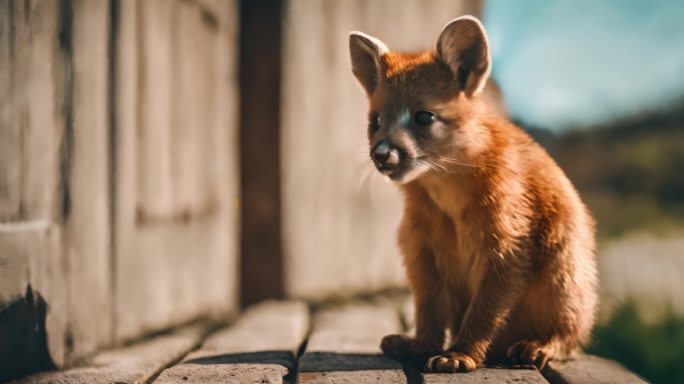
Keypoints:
(330, 361)
(23, 340)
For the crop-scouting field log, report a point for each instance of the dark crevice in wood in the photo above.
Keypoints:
(114, 15)
(67, 144)
(262, 263)
(291, 377)
(66, 149)
(154, 375)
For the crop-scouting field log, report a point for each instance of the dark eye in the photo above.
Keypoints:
(425, 118)
(375, 123)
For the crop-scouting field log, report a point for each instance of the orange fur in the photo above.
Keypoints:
(497, 245)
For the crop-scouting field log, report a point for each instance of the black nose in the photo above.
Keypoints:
(386, 155)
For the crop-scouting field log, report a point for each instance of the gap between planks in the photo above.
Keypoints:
(261, 347)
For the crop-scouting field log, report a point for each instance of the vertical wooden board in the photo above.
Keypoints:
(13, 52)
(340, 215)
(31, 79)
(44, 128)
(31, 129)
(87, 222)
(193, 110)
(344, 346)
(261, 347)
(188, 242)
(153, 147)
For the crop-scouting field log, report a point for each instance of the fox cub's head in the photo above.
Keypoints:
(422, 105)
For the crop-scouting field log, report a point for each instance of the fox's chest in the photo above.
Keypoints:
(458, 242)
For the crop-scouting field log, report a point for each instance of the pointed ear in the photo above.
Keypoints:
(464, 48)
(366, 59)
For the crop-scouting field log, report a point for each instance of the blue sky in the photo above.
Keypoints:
(567, 63)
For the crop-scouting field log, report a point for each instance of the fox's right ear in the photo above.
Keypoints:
(366, 58)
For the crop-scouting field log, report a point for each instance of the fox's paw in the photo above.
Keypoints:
(450, 362)
(530, 352)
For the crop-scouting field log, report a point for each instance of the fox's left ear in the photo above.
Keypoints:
(464, 48)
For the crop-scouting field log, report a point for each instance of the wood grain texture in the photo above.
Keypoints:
(262, 345)
(352, 377)
(13, 97)
(229, 374)
(32, 79)
(589, 369)
(31, 83)
(339, 215)
(175, 185)
(134, 364)
(344, 346)
(487, 375)
(87, 221)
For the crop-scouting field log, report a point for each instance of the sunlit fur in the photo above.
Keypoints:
(497, 245)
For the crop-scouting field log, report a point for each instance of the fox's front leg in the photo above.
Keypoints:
(431, 313)
(503, 283)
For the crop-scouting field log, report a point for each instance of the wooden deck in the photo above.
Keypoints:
(285, 342)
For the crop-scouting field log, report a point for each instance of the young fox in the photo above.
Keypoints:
(497, 244)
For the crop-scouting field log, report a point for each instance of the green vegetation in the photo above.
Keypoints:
(654, 351)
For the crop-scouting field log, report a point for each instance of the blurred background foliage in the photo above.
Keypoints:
(628, 170)
(653, 351)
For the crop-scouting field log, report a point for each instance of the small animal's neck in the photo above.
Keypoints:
(450, 193)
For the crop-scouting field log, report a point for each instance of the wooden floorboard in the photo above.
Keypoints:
(134, 364)
(264, 345)
(487, 375)
(589, 370)
(344, 347)
(261, 347)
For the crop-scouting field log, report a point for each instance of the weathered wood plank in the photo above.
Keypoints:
(352, 377)
(43, 109)
(344, 347)
(14, 57)
(487, 375)
(589, 370)
(134, 364)
(261, 347)
(189, 244)
(87, 221)
(226, 373)
(30, 82)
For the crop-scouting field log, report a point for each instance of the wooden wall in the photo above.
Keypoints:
(339, 215)
(117, 166)
(119, 148)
